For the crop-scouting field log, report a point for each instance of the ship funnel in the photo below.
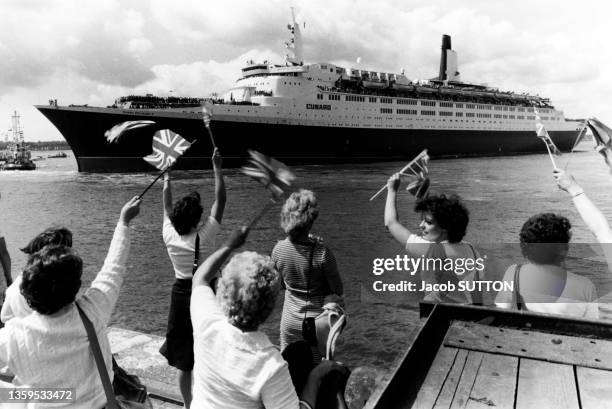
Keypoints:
(446, 45)
(448, 61)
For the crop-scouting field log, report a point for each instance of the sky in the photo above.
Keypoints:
(91, 52)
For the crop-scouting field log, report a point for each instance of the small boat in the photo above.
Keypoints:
(58, 155)
(480, 357)
(17, 155)
(37, 158)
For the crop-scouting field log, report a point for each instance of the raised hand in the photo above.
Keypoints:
(130, 210)
(238, 238)
(393, 183)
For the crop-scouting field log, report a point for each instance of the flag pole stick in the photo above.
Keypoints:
(152, 183)
(259, 215)
(378, 193)
(212, 140)
(551, 157)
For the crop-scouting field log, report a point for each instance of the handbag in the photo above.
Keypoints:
(127, 391)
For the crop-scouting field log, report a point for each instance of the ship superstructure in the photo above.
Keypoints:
(321, 113)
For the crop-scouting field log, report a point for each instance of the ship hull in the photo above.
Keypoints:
(84, 130)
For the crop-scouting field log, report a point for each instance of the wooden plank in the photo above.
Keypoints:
(441, 366)
(445, 398)
(495, 384)
(468, 376)
(521, 319)
(564, 349)
(546, 385)
(595, 388)
(400, 391)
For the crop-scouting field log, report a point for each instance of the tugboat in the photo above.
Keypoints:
(17, 156)
(58, 155)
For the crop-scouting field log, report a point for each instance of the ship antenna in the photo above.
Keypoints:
(294, 55)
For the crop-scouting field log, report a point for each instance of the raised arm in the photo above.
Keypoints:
(218, 206)
(104, 291)
(167, 195)
(5, 260)
(397, 230)
(211, 265)
(590, 214)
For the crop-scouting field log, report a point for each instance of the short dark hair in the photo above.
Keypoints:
(52, 235)
(51, 279)
(186, 213)
(449, 212)
(550, 233)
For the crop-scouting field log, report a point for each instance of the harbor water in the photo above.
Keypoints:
(501, 193)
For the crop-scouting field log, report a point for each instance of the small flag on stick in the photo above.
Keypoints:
(602, 135)
(419, 188)
(417, 170)
(168, 146)
(543, 135)
(206, 117)
(274, 175)
(113, 134)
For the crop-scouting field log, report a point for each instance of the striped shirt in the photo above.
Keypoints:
(292, 260)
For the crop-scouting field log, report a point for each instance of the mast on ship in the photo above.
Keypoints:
(294, 54)
(16, 129)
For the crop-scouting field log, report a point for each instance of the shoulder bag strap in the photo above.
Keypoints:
(477, 298)
(516, 295)
(111, 402)
(197, 253)
(312, 249)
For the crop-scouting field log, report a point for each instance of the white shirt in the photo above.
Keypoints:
(14, 306)
(235, 369)
(181, 249)
(578, 298)
(46, 351)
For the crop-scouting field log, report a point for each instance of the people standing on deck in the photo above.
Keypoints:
(444, 222)
(49, 348)
(236, 365)
(307, 267)
(15, 305)
(543, 284)
(187, 241)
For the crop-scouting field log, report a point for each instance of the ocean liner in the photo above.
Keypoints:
(320, 113)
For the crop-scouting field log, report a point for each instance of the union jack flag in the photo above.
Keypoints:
(168, 146)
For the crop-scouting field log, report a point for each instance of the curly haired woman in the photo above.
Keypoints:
(444, 221)
(543, 284)
(236, 365)
(307, 266)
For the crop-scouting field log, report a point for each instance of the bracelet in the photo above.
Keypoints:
(305, 404)
(577, 194)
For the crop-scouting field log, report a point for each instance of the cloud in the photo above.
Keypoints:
(102, 42)
(96, 53)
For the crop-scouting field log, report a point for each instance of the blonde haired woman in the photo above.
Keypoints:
(307, 266)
